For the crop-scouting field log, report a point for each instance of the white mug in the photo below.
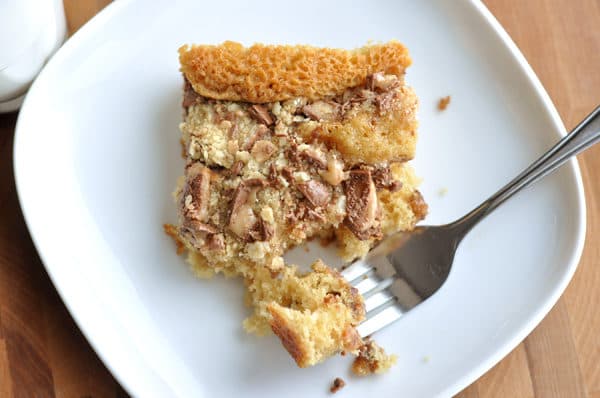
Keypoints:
(30, 32)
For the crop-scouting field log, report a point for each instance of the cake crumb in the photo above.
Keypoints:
(171, 230)
(442, 191)
(337, 385)
(426, 359)
(443, 103)
(372, 359)
(306, 249)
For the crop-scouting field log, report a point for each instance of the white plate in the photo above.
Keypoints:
(97, 155)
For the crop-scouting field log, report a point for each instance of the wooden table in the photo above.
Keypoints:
(43, 354)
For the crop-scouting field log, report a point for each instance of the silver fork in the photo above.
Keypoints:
(407, 268)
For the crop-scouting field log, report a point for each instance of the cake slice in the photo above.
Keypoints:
(284, 144)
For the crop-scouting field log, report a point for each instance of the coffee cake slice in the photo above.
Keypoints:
(284, 144)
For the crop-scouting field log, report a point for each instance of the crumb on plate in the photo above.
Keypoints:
(337, 385)
(372, 359)
(443, 103)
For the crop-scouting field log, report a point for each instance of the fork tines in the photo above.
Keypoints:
(382, 290)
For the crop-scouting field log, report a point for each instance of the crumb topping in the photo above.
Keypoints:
(284, 156)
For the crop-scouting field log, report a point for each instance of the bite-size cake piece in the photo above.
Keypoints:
(314, 313)
(287, 143)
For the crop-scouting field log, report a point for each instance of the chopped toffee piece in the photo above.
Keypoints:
(361, 204)
(317, 193)
(261, 114)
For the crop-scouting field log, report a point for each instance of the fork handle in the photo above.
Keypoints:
(586, 134)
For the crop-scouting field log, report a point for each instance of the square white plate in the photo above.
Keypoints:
(97, 156)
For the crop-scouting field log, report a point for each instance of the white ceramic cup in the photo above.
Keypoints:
(30, 32)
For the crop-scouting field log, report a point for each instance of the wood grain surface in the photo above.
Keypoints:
(43, 353)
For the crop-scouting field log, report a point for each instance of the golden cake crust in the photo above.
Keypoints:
(268, 73)
(289, 338)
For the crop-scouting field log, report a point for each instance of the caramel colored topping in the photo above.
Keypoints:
(334, 174)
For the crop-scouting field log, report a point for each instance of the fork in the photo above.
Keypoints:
(406, 268)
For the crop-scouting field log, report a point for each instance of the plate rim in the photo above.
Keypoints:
(133, 389)
(535, 319)
(138, 387)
